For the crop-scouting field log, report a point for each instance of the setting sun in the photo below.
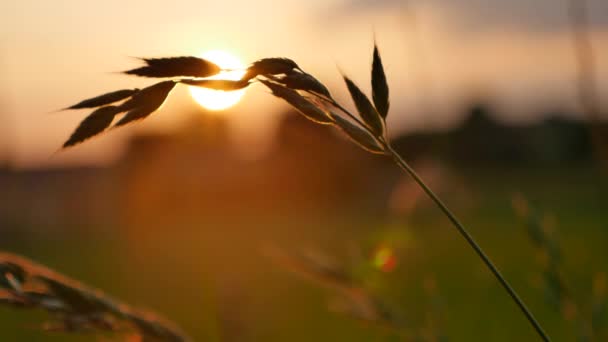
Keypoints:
(218, 99)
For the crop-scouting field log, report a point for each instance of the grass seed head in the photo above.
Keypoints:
(145, 102)
(305, 82)
(366, 110)
(380, 93)
(310, 110)
(92, 125)
(358, 135)
(176, 67)
(270, 66)
(104, 99)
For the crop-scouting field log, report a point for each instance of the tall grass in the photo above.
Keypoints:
(366, 127)
(587, 313)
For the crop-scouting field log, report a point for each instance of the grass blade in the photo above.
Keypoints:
(136, 114)
(366, 110)
(380, 92)
(303, 81)
(175, 67)
(145, 102)
(270, 66)
(92, 125)
(310, 110)
(104, 99)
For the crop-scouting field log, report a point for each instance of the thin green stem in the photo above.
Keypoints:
(463, 231)
(383, 140)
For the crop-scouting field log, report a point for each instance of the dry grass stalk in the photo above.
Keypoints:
(559, 295)
(176, 67)
(74, 306)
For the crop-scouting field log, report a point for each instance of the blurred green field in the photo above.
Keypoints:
(210, 274)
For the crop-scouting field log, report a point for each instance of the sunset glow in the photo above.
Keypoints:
(218, 99)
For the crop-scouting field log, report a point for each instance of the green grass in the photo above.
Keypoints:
(210, 277)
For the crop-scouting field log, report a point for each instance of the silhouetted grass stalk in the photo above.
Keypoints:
(299, 89)
(471, 241)
(461, 229)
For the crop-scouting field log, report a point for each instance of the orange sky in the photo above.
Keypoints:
(54, 53)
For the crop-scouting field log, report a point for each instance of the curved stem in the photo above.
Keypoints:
(383, 140)
(462, 230)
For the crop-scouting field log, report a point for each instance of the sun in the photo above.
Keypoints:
(218, 99)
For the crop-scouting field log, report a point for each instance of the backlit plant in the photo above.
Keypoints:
(287, 81)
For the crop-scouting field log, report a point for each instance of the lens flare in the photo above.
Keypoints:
(385, 259)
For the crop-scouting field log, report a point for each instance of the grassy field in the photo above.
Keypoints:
(212, 277)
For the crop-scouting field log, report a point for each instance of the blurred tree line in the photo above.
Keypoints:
(483, 140)
(195, 171)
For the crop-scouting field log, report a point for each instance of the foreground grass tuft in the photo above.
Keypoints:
(74, 307)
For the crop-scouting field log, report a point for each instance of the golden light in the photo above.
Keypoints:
(385, 259)
(218, 99)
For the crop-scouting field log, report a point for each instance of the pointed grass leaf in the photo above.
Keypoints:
(104, 99)
(154, 94)
(310, 110)
(145, 102)
(304, 81)
(366, 110)
(225, 85)
(380, 92)
(270, 66)
(358, 135)
(92, 125)
(135, 114)
(175, 67)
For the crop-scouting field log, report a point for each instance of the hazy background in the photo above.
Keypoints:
(181, 212)
(438, 54)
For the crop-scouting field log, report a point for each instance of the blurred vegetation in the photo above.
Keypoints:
(179, 225)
